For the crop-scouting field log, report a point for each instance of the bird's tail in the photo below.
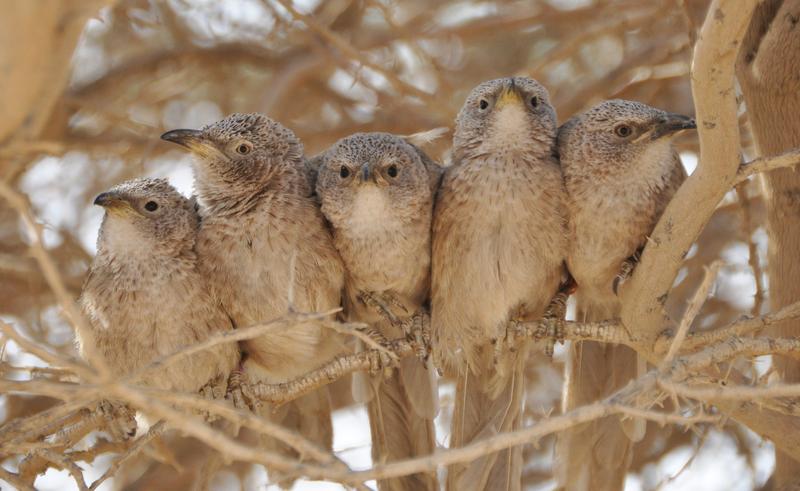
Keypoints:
(401, 412)
(486, 406)
(596, 455)
(310, 416)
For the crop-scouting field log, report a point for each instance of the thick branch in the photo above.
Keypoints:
(694, 203)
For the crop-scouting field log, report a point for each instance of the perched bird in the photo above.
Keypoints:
(263, 237)
(377, 191)
(620, 171)
(499, 237)
(144, 296)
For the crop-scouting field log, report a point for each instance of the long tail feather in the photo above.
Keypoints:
(398, 430)
(485, 407)
(596, 456)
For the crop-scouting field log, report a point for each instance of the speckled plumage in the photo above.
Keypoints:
(382, 227)
(498, 248)
(617, 188)
(144, 296)
(258, 215)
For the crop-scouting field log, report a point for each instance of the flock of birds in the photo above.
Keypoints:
(375, 226)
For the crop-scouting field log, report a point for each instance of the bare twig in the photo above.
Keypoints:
(14, 480)
(766, 164)
(139, 445)
(752, 249)
(53, 276)
(742, 327)
(695, 304)
(330, 372)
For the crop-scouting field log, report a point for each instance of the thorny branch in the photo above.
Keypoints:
(690, 356)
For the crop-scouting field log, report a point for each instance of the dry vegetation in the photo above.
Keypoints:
(94, 82)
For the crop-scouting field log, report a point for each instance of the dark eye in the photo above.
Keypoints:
(151, 206)
(623, 130)
(344, 172)
(483, 104)
(392, 171)
(244, 148)
(534, 102)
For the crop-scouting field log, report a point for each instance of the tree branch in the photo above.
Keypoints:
(715, 102)
(766, 164)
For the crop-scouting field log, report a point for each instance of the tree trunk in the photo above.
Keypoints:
(37, 39)
(769, 73)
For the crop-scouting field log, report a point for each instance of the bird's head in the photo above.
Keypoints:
(375, 178)
(146, 216)
(506, 115)
(619, 133)
(239, 153)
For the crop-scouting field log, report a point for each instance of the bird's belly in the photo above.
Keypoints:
(600, 241)
(508, 267)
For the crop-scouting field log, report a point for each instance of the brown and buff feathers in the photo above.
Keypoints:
(377, 192)
(498, 243)
(144, 296)
(262, 235)
(620, 171)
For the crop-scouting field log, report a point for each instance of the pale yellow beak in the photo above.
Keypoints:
(114, 203)
(508, 97)
(191, 139)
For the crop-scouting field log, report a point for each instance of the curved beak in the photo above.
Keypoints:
(671, 123)
(194, 140)
(113, 201)
(183, 137)
(364, 173)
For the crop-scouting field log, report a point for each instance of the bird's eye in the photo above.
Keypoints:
(151, 206)
(483, 104)
(244, 148)
(344, 172)
(392, 171)
(623, 131)
(534, 102)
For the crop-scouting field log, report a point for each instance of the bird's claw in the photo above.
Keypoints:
(625, 271)
(120, 420)
(382, 303)
(240, 393)
(381, 360)
(417, 330)
(553, 324)
(507, 342)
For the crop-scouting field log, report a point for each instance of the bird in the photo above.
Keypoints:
(144, 295)
(377, 190)
(620, 171)
(499, 236)
(263, 239)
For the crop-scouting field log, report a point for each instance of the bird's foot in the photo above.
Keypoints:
(553, 324)
(625, 272)
(120, 420)
(240, 393)
(383, 359)
(507, 341)
(209, 392)
(382, 302)
(417, 330)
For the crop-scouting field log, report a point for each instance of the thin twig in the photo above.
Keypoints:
(766, 164)
(53, 277)
(695, 304)
(139, 445)
(752, 249)
(742, 327)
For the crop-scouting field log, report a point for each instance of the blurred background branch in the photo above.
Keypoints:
(88, 86)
